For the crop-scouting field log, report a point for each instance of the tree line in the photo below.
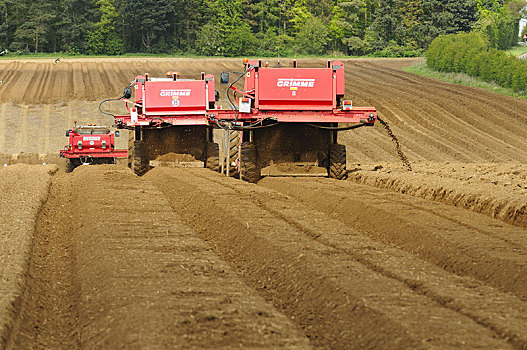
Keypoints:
(246, 27)
(470, 53)
(479, 52)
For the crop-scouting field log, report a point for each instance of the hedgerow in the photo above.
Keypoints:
(470, 53)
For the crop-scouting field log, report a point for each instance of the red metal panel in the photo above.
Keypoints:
(118, 153)
(138, 87)
(249, 80)
(356, 115)
(174, 97)
(339, 76)
(91, 143)
(197, 119)
(211, 88)
(295, 89)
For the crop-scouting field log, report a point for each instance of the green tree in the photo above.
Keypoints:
(149, 24)
(225, 33)
(77, 18)
(312, 37)
(35, 31)
(349, 23)
(103, 39)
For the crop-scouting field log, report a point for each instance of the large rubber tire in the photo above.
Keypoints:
(70, 165)
(337, 162)
(140, 163)
(137, 161)
(213, 157)
(234, 144)
(249, 168)
(131, 139)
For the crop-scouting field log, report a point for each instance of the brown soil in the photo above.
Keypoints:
(27, 158)
(458, 241)
(185, 258)
(134, 276)
(497, 190)
(6, 159)
(339, 280)
(175, 157)
(24, 189)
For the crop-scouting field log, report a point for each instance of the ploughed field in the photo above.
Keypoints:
(435, 258)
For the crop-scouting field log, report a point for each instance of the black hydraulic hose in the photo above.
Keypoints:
(107, 100)
(253, 126)
(248, 127)
(230, 86)
(127, 93)
(339, 128)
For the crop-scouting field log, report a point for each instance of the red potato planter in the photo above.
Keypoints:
(291, 115)
(91, 144)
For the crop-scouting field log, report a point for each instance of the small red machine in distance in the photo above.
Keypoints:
(91, 144)
(290, 115)
(169, 115)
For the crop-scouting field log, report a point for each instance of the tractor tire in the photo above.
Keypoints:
(234, 143)
(131, 139)
(139, 163)
(213, 157)
(337, 162)
(137, 160)
(249, 168)
(70, 165)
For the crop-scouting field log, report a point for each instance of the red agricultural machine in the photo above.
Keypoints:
(282, 115)
(91, 144)
(290, 115)
(168, 115)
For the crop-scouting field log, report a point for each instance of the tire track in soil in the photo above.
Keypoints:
(45, 143)
(50, 84)
(467, 246)
(261, 233)
(105, 80)
(134, 276)
(415, 145)
(423, 138)
(49, 317)
(3, 123)
(15, 88)
(12, 70)
(24, 190)
(38, 89)
(87, 79)
(78, 82)
(367, 144)
(33, 80)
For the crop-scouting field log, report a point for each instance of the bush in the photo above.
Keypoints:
(210, 41)
(312, 37)
(240, 41)
(433, 54)
(471, 54)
